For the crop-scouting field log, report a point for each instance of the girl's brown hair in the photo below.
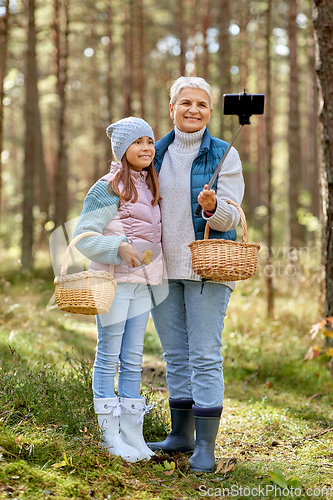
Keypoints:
(129, 191)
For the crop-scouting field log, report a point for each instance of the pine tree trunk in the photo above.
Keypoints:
(4, 28)
(41, 176)
(224, 18)
(42, 181)
(249, 198)
(30, 143)
(193, 25)
(313, 175)
(296, 231)
(323, 23)
(205, 25)
(61, 170)
(181, 35)
(98, 125)
(268, 133)
(260, 129)
(109, 84)
(128, 58)
(141, 59)
(99, 132)
(157, 112)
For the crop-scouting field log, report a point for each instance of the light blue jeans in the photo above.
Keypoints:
(120, 340)
(189, 324)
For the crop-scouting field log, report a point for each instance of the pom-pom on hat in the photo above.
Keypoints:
(124, 132)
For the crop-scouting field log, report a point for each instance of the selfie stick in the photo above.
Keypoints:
(211, 182)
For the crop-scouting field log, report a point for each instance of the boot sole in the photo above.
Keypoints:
(172, 452)
(202, 470)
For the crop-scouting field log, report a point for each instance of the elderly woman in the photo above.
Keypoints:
(190, 320)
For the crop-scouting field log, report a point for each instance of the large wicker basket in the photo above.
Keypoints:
(87, 292)
(225, 260)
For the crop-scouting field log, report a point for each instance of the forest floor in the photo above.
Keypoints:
(276, 434)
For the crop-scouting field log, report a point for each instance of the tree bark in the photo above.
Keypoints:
(128, 33)
(296, 231)
(224, 54)
(205, 25)
(157, 112)
(61, 170)
(249, 173)
(313, 174)
(268, 134)
(254, 179)
(260, 129)
(99, 135)
(109, 83)
(4, 28)
(42, 181)
(141, 59)
(181, 35)
(41, 176)
(30, 142)
(323, 23)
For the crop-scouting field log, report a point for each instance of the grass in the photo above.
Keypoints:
(277, 411)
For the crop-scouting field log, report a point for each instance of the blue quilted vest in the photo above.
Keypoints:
(203, 167)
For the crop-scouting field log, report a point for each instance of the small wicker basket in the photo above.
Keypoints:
(225, 260)
(87, 292)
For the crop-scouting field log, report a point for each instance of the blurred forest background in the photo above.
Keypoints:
(69, 68)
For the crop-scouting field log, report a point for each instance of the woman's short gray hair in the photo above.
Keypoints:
(190, 81)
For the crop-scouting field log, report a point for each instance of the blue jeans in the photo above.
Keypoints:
(189, 325)
(120, 339)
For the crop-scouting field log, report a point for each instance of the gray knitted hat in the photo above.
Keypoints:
(124, 132)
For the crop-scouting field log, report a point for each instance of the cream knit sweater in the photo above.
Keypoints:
(177, 225)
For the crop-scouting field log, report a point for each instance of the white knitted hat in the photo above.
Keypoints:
(124, 132)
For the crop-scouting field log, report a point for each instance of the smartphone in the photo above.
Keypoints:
(243, 105)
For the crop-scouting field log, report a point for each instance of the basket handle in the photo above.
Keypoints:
(64, 267)
(243, 221)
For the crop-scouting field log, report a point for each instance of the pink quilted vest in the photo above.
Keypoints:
(141, 223)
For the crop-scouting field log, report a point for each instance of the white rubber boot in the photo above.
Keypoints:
(108, 412)
(131, 423)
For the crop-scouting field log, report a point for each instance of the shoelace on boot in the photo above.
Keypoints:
(119, 408)
(146, 409)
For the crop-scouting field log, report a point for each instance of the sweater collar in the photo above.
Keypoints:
(162, 145)
(185, 141)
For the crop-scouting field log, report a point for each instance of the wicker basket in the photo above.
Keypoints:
(88, 292)
(225, 260)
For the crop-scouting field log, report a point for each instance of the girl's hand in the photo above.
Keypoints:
(130, 255)
(207, 199)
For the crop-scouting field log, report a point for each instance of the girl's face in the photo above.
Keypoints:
(191, 111)
(141, 153)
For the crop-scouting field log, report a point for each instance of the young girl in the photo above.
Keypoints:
(123, 207)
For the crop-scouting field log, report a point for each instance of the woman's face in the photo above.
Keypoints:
(191, 111)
